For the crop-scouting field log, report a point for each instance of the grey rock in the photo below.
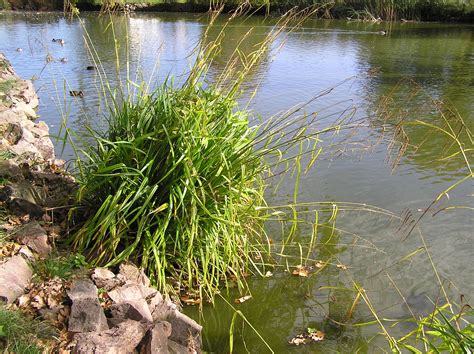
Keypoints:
(186, 331)
(122, 339)
(35, 237)
(159, 308)
(176, 348)
(10, 170)
(86, 313)
(132, 294)
(106, 279)
(20, 207)
(82, 289)
(5, 193)
(87, 316)
(156, 340)
(127, 310)
(15, 275)
(130, 273)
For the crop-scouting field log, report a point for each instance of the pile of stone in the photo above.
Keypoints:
(19, 133)
(101, 313)
(129, 317)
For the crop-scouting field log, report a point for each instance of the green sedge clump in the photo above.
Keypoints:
(173, 185)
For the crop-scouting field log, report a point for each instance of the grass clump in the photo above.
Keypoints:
(59, 266)
(442, 331)
(18, 334)
(174, 185)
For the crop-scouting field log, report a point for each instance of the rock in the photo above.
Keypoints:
(175, 348)
(131, 294)
(82, 289)
(122, 339)
(106, 279)
(10, 170)
(15, 275)
(156, 340)
(126, 311)
(86, 313)
(20, 207)
(186, 331)
(160, 309)
(5, 193)
(130, 273)
(12, 132)
(35, 237)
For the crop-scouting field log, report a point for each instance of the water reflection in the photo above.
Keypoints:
(321, 54)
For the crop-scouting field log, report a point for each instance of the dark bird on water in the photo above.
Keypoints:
(76, 93)
(90, 67)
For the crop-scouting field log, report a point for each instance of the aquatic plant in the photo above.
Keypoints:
(175, 183)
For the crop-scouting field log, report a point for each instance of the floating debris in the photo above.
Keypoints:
(63, 60)
(19, 49)
(301, 271)
(312, 335)
(341, 266)
(242, 299)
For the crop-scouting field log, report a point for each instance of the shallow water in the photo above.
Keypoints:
(435, 60)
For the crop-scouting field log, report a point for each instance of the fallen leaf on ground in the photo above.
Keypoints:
(242, 299)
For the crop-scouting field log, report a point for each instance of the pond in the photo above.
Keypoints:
(415, 65)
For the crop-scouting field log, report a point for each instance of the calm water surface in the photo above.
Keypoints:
(412, 64)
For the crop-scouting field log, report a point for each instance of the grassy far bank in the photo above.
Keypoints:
(369, 10)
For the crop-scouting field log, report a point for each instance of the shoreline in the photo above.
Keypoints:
(342, 13)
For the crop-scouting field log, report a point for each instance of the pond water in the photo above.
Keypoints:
(413, 64)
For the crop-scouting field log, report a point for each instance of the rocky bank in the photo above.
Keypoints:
(98, 311)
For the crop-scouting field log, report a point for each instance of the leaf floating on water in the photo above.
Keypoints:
(190, 301)
(342, 266)
(319, 264)
(242, 299)
(301, 271)
(299, 339)
(316, 336)
(313, 335)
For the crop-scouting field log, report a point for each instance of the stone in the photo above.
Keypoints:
(185, 330)
(10, 170)
(82, 289)
(124, 311)
(5, 193)
(87, 316)
(160, 309)
(156, 340)
(122, 339)
(130, 273)
(15, 275)
(105, 279)
(131, 294)
(175, 348)
(20, 207)
(35, 237)
(86, 313)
